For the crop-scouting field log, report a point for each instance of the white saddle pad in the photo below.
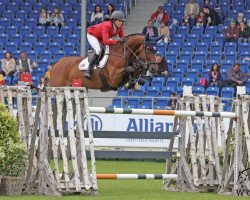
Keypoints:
(85, 62)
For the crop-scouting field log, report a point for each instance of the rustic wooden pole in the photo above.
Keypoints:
(72, 139)
(59, 102)
(82, 156)
(91, 140)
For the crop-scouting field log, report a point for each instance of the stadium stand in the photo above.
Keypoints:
(191, 54)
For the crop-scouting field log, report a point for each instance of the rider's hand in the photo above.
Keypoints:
(121, 40)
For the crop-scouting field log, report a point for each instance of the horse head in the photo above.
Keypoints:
(148, 55)
(142, 53)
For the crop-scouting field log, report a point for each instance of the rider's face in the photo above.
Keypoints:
(118, 23)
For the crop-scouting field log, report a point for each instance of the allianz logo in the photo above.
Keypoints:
(134, 125)
(96, 122)
(148, 125)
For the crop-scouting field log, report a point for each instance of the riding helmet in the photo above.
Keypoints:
(118, 14)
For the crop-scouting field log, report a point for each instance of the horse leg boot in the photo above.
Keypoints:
(92, 63)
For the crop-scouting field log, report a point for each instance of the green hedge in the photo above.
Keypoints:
(13, 154)
(8, 127)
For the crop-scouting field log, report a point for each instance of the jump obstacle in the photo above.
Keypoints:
(137, 176)
(198, 166)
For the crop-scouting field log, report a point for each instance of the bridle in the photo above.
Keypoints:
(137, 61)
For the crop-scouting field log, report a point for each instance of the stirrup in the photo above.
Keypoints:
(87, 74)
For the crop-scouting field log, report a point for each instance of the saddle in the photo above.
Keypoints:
(102, 60)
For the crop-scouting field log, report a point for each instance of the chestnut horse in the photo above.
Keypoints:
(125, 63)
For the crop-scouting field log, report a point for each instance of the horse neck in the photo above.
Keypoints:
(134, 43)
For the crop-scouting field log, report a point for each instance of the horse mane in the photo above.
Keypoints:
(133, 34)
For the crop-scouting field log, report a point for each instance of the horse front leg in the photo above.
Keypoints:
(131, 80)
(142, 78)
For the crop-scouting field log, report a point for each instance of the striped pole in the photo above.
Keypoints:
(161, 112)
(137, 176)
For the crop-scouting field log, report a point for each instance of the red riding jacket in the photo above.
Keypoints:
(104, 31)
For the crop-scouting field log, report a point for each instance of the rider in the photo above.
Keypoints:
(102, 33)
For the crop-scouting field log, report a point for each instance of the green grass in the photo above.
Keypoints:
(132, 189)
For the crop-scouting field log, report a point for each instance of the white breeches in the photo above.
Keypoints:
(93, 41)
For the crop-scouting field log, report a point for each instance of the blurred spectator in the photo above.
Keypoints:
(150, 29)
(200, 19)
(41, 83)
(44, 19)
(20, 82)
(158, 16)
(162, 69)
(235, 77)
(26, 64)
(240, 18)
(207, 22)
(192, 10)
(211, 17)
(47, 73)
(164, 30)
(97, 16)
(8, 66)
(232, 33)
(57, 19)
(215, 78)
(185, 21)
(159, 70)
(23, 81)
(244, 32)
(34, 89)
(173, 23)
(111, 9)
(2, 80)
(172, 102)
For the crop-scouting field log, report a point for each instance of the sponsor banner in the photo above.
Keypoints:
(137, 123)
(131, 123)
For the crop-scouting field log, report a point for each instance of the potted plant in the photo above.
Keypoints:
(13, 156)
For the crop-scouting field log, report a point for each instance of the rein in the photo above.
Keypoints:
(134, 62)
(125, 46)
(136, 57)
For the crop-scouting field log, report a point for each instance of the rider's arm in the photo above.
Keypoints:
(121, 33)
(105, 37)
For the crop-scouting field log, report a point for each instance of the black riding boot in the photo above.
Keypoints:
(92, 63)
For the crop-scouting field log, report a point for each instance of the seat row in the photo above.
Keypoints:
(161, 102)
